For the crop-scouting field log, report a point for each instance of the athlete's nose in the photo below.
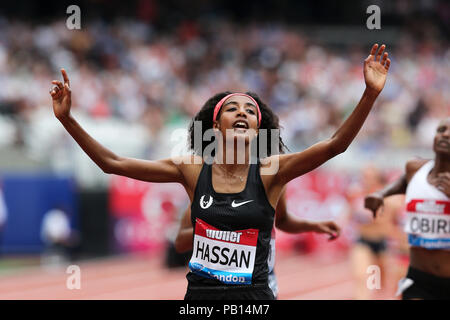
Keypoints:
(446, 133)
(241, 111)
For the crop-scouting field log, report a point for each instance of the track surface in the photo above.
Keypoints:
(145, 277)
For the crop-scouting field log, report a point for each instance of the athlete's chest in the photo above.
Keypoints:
(232, 212)
(232, 184)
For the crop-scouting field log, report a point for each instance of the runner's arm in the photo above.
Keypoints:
(293, 165)
(183, 242)
(152, 171)
(375, 200)
(290, 224)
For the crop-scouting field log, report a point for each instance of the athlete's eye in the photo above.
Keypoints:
(231, 109)
(251, 111)
(441, 129)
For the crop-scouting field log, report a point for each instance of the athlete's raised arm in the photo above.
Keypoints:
(153, 171)
(293, 165)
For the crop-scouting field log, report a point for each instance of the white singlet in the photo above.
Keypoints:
(427, 212)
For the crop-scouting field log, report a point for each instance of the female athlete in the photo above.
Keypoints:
(232, 202)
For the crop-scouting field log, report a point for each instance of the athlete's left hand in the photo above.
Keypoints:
(328, 227)
(442, 182)
(376, 67)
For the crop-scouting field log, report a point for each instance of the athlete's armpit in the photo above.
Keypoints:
(412, 166)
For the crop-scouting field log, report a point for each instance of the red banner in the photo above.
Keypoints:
(144, 212)
(317, 196)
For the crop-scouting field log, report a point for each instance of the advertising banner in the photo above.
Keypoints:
(143, 213)
(37, 209)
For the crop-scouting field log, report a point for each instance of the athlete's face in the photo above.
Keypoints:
(238, 118)
(442, 138)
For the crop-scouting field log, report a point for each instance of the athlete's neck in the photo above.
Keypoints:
(441, 164)
(233, 155)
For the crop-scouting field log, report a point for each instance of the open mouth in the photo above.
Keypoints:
(240, 125)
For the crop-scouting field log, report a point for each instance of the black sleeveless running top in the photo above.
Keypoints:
(232, 233)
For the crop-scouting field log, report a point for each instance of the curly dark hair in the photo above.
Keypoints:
(268, 121)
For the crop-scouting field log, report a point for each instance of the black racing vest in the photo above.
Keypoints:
(232, 232)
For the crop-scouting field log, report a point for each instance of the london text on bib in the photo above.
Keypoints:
(228, 256)
(428, 223)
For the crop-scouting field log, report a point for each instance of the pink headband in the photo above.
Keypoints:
(220, 103)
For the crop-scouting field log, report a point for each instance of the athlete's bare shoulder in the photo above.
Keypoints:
(268, 171)
(269, 167)
(413, 165)
(190, 166)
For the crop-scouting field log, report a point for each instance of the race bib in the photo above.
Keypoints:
(428, 224)
(228, 256)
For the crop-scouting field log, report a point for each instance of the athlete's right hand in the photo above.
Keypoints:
(374, 202)
(61, 97)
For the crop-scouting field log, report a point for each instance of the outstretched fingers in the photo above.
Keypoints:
(381, 56)
(65, 77)
(372, 52)
(388, 64)
(383, 60)
(380, 53)
(59, 87)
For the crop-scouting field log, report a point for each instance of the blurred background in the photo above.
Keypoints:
(141, 69)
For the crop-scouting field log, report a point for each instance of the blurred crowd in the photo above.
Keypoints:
(129, 74)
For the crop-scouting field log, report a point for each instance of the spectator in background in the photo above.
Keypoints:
(57, 236)
(124, 71)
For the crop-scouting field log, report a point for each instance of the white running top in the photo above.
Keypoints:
(427, 212)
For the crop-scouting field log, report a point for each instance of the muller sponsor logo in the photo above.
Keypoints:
(230, 236)
(430, 206)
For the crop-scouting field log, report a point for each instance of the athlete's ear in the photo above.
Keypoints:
(216, 125)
